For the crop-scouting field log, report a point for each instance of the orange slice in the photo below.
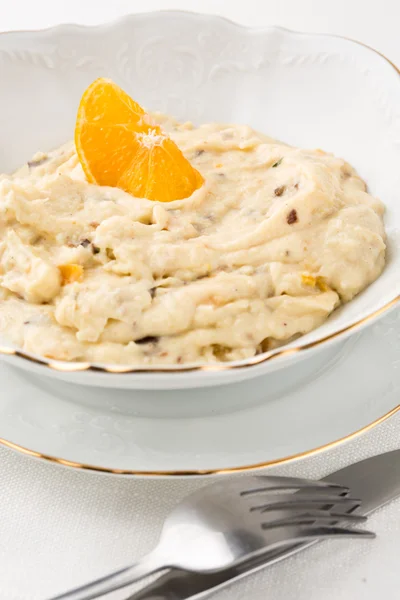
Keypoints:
(119, 145)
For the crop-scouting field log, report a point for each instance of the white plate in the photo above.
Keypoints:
(271, 419)
(309, 90)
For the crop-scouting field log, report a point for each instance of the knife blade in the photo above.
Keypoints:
(376, 480)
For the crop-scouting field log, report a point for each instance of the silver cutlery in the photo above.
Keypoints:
(228, 522)
(376, 480)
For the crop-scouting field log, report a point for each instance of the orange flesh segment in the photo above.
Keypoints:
(119, 145)
(159, 171)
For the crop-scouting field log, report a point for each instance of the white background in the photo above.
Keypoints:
(58, 527)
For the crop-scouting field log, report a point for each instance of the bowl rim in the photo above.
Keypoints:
(86, 366)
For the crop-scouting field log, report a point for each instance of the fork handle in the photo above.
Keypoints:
(148, 565)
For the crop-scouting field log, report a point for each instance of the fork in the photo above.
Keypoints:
(227, 523)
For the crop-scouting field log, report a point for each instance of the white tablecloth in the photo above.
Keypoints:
(59, 527)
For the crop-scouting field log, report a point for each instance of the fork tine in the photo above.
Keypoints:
(275, 483)
(314, 518)
(311, 487)
(295, 533)
(293, 501)
(345, 517)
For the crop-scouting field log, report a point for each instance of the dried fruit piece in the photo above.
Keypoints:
(71, 273)
(280, 190)
(292, 217)
(318, 282)
(322, 285)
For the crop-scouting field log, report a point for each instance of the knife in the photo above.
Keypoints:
(375, 480)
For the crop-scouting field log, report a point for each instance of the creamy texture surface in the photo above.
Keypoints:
(272, 243)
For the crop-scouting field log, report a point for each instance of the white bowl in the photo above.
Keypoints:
(308, 90)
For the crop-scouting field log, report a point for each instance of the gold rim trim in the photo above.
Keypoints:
(201, 472)
(75, 367)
